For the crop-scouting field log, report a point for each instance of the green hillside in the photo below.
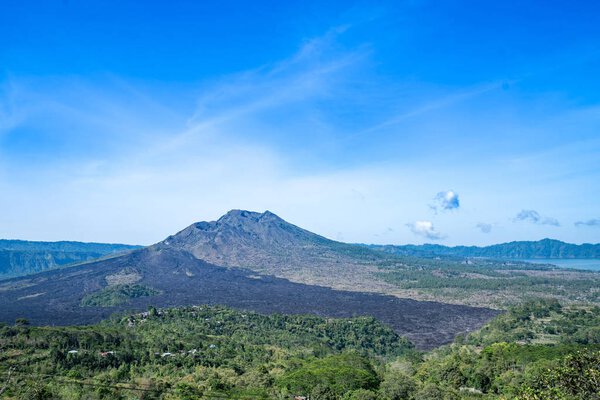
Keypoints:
(538, 350)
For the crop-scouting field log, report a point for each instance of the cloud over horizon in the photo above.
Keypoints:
(535, 218)
(589, 222)
(425, 229)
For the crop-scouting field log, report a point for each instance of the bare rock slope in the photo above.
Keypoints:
(265, 243)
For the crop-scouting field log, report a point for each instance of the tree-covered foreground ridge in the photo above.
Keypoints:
(538, 350)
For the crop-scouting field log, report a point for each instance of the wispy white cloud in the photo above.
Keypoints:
(12, 112)
(433, 104)
(135, 164)
(160, 161)
(59, 121)
(283, 91)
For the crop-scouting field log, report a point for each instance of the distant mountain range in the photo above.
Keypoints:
(240, 260)
(546, 248)
(21, 257)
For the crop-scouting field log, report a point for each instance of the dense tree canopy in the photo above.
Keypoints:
(537, 350)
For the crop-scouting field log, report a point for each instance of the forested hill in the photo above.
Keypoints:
(22, 257)
(540, 349)
(546, 248)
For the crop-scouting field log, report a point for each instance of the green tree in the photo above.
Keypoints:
(397, 386)
(341, 373)
(431, 391)
(577, 377)
(360, 394)
(322, 392)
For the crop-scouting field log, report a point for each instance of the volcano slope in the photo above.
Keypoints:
(233, 262)
(178, 278)
(265, 243)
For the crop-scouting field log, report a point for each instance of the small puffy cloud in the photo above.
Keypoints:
(446, 200)
(589, 222)
(425, 229)
(535, 217)
(483, 227)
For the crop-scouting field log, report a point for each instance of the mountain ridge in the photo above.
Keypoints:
(544, 248)
(22, 257)
(68, 245)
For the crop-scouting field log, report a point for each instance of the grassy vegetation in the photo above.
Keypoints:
(538, 350)
(489, 283)
(543, 322)
(116, 295)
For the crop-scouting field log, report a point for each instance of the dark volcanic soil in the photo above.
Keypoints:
(53, 298)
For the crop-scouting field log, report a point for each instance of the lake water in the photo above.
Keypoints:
(575, 263)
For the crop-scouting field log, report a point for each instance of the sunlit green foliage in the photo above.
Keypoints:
(577, 376)
(117, 294)
(341, 374)
(196, 351)
(219, 353)
(486, 282)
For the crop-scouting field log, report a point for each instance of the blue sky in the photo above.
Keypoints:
(456, 122)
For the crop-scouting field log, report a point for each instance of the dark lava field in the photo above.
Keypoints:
(53, 297)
